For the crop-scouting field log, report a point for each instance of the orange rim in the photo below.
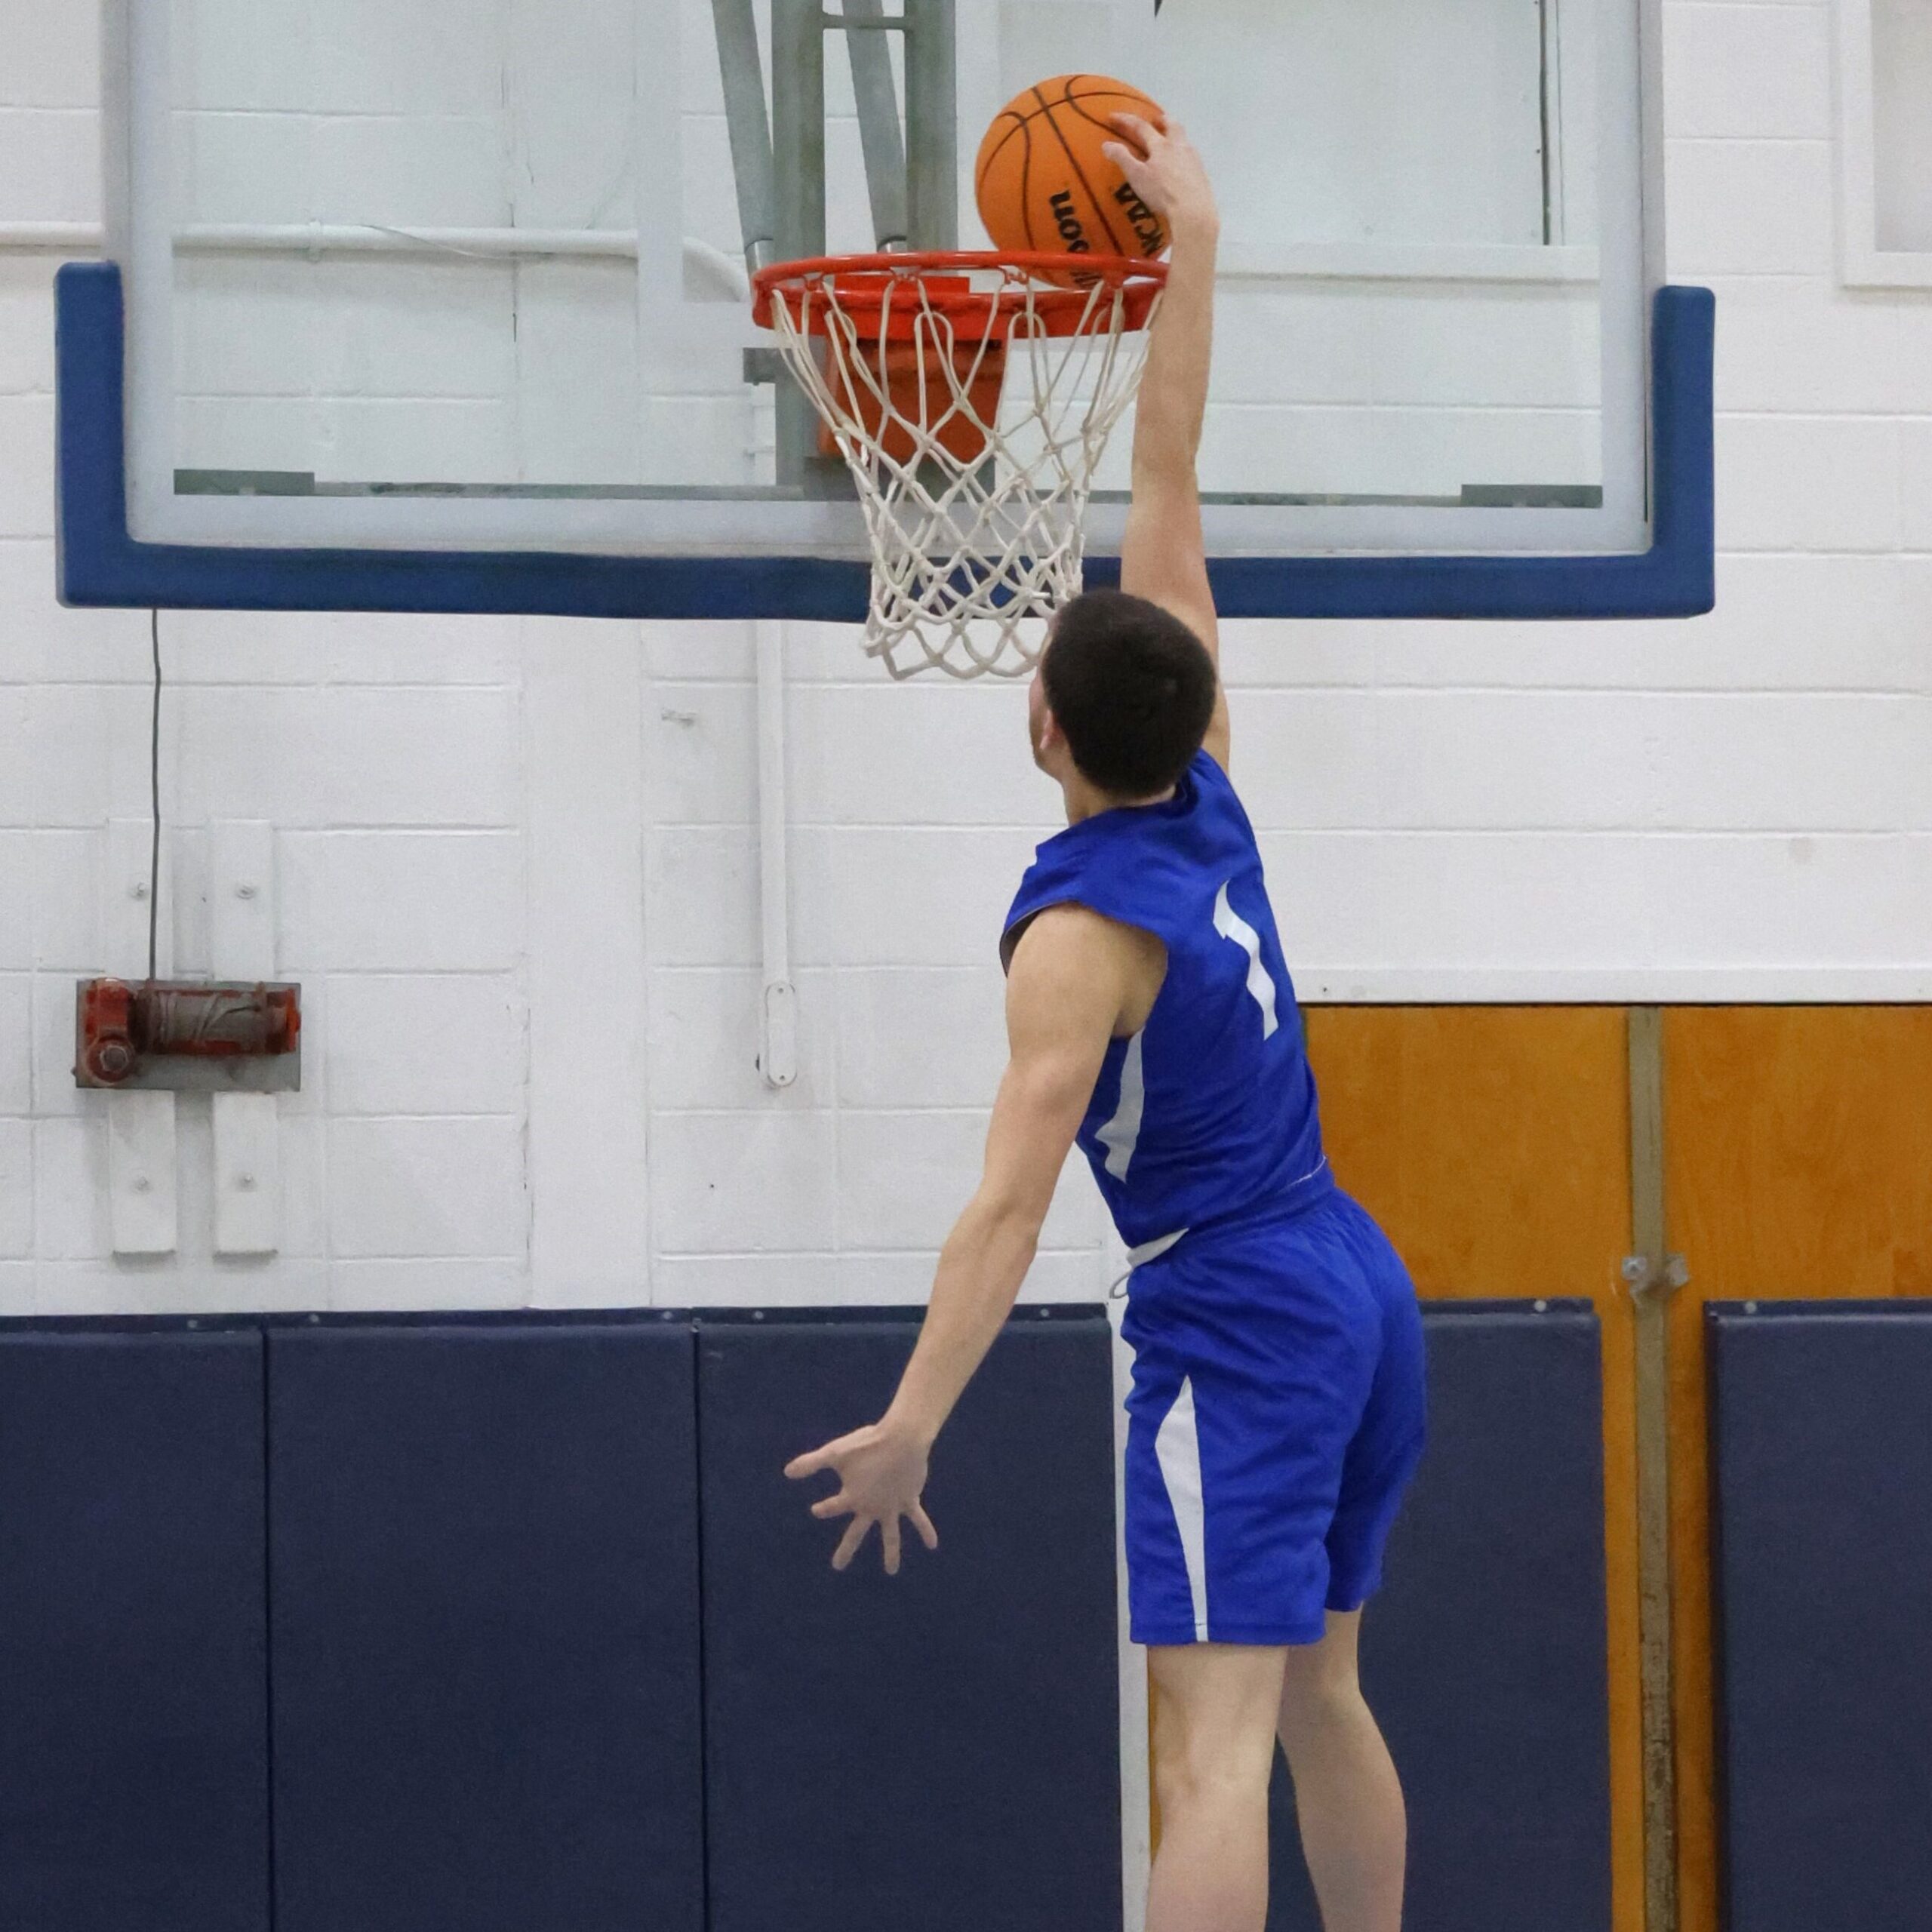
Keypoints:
(883, 295)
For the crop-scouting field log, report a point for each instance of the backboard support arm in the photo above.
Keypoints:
(741, 70)
(912, 184)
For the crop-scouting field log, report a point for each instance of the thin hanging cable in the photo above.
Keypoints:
(154, 798)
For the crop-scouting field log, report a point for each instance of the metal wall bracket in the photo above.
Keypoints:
(1644, 1275)
(1654, 1273)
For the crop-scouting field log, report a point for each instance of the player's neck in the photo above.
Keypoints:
(1085, 800)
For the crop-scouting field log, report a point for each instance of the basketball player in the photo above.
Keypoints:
(1276, 1413)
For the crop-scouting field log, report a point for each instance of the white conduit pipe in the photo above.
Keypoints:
(778, 1048)
(376, 238)
(67, 238)
(75, 238)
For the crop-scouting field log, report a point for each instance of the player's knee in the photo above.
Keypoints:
(1320, 1687)
(1206, 1773)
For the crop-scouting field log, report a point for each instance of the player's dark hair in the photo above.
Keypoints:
(1134, 690)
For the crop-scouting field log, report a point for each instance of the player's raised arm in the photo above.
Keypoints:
(1164, 557)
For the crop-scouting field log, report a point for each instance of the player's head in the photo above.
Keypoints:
(1125, 692)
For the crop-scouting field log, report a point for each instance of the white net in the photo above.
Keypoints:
(971, 403)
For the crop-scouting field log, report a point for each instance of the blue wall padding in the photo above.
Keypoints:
(485, 1628)
(1821, 1514)
(937, 1752)
(1485, 1656)
(134, 1758)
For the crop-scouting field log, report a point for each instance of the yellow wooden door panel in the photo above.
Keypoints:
(1493, 1145)
(1798, 1164)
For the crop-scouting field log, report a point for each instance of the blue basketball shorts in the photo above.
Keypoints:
(1276, 1416)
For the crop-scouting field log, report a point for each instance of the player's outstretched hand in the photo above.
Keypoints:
(881, 1474)
(1165, 170)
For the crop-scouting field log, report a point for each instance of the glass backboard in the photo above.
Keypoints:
(471, 275)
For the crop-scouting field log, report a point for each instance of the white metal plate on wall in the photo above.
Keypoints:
(143, 1209)
(248, 1126)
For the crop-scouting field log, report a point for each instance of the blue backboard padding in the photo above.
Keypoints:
(484, 1625)
(100, 563)
(1821, 1514)
(134, 1728)
(938, 1751)
(1485, 1656)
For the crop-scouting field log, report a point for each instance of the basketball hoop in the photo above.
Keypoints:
(971, 396)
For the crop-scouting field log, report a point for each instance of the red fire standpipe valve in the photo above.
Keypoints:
(188, 1033)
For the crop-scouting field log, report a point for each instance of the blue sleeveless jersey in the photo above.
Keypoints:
(1208, 1113)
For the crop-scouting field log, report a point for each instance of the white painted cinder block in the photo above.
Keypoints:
(426, 1282)
(395, 647)
(26, 472)
(427, 902)
(51, 57)
(371, 58)
(70, 1186)
(303, 1230)
(16, 1186)
(50, 161)
(49, 899)
(924, 897)
(870, 753)
(410, 171)
(27, 324)
(418, 758)
(442, 1043)
(699, 755)
(1748, 207)
(921, 1037)
(903, 1179)
(1809, 482)
(17, 1038)
(88, 752)
(16, 772)
(755, 1281)
(905, 1281)
(18, 1288)
(1916, 487)
(1745, 69)
(1809, 345)
(738, 1183)
(1743, 799)
(420, 1187)
(706, 1037)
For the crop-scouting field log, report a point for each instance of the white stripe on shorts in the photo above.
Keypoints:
(1177, 1449)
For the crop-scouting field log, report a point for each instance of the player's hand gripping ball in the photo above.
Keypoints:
(1045, 184)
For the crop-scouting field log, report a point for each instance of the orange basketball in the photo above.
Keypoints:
(1044, 185)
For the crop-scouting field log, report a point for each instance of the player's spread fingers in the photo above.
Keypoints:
(809, 1464)
(1143, 133)
(840, 1504)
(849, 1543)
(888, 1532)
(924, 1524)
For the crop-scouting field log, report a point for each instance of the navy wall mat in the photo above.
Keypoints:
(484, 1575)
(133, 1733)
(1484, 1656)
(938, 1750)
(1821, 1512)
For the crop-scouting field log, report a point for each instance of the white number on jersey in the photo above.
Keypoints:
(1230, 924)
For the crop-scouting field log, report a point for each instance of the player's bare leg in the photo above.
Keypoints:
(1214, 1711)
(1354, 1829)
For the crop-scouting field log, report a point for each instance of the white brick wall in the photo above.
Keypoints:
(516, 865)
